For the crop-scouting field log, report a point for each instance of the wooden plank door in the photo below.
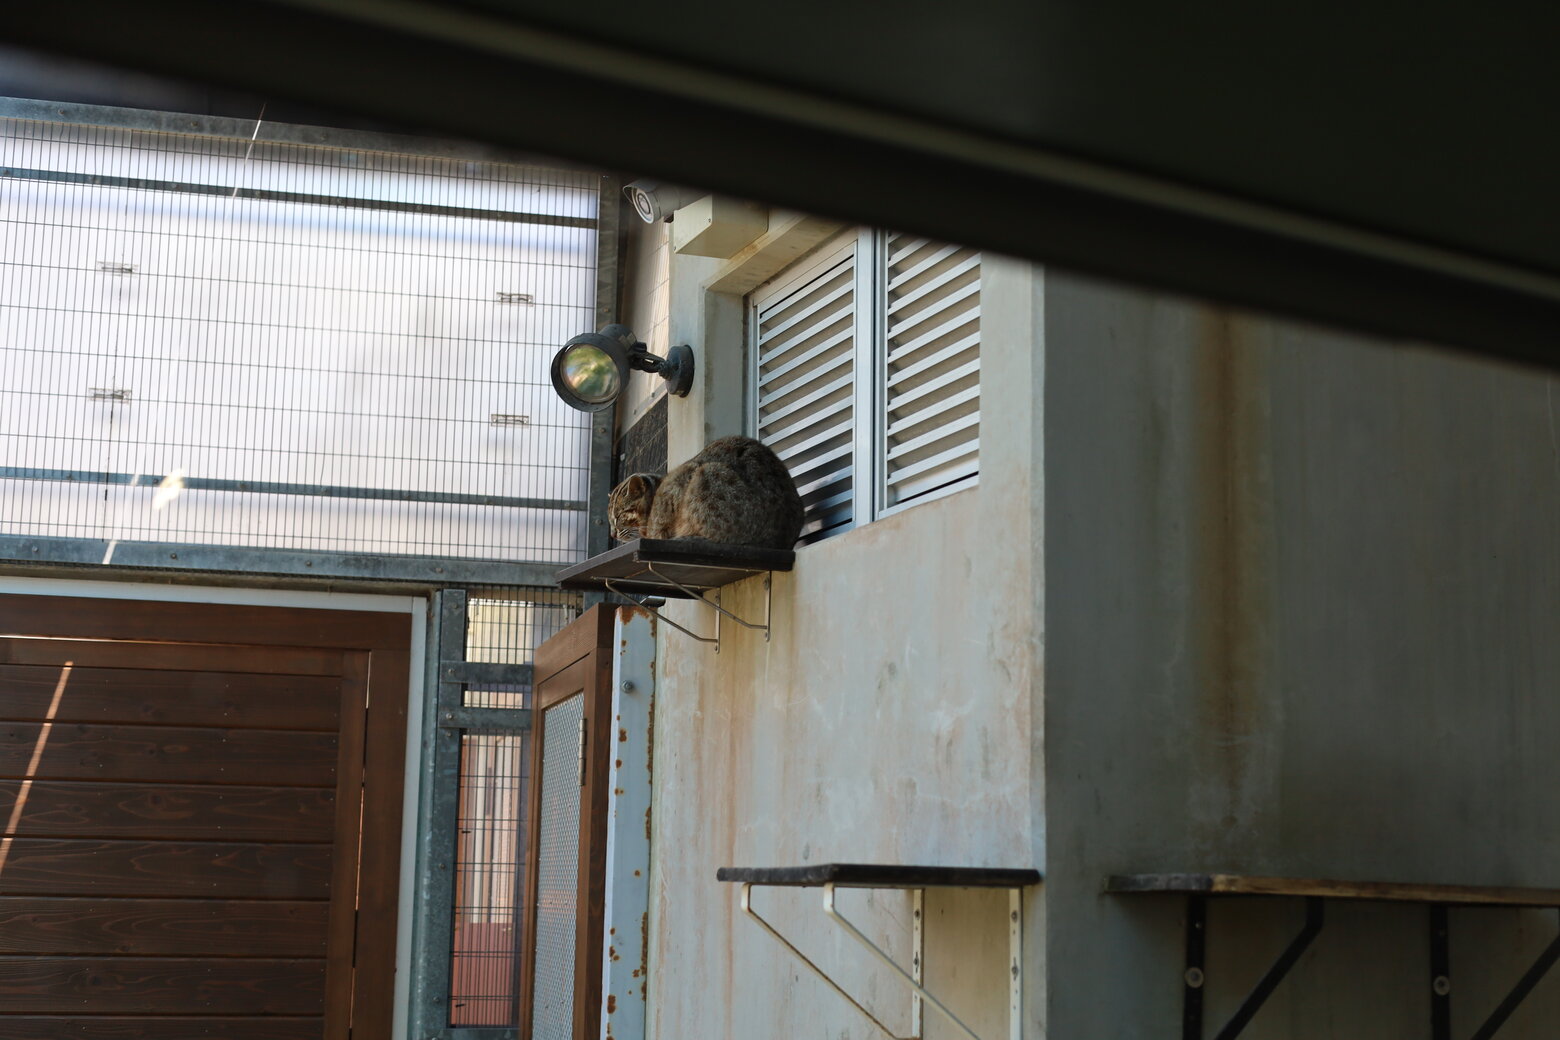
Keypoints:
(566, 861)
(199, 819)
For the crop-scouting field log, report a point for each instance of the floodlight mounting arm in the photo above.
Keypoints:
(676, 368)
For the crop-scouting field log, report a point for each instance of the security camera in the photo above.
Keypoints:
(655, 201)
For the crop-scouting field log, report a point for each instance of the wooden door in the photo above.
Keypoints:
(566, 861)
(199, 819)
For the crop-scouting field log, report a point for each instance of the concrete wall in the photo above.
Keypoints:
(893, 717)
(1301, 605)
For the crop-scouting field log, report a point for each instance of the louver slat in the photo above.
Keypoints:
(931, 390)
(803, 338)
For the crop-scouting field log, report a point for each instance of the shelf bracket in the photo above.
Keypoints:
(1196, 927)
(1519, 992)
(747, 908)
(700, 597)
(914, 977)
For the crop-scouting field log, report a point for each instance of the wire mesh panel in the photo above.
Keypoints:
(557, 882)
(503, 626)
(485, 961)
(238, 342)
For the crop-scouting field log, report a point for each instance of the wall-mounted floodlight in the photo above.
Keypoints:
(592, 368)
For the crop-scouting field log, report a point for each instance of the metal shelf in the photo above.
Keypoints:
(915, 879)
(679, 568)
(1198, 888)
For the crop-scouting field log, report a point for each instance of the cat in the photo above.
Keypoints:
(735, 491)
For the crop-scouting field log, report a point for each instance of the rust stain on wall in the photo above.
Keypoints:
(1230, 612)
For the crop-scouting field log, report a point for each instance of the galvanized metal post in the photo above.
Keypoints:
(603, 426)
(437, 818)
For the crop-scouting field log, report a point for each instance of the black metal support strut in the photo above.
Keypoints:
(1519, 992)
(1440, 975)
(1196, 928)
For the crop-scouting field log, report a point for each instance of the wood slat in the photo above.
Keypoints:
(183, 1027)
(378, 893)
(163, 985)
(152, 621)
(1330, 888)
(161, 927)
(218, 870)
(185, 698)
(342, 925)
(56, 808)
(84, 751)
(193, 657)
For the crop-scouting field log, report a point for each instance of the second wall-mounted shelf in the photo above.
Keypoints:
(679, 568)
(913, 879)
(1198, 888)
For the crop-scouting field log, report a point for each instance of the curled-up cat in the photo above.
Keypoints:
(735, 491)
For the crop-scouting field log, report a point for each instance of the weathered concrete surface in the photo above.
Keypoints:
(893, 717)
(1302, 604)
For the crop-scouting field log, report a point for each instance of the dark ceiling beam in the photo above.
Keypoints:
(456, 72)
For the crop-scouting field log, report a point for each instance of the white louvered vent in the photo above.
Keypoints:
(803, 333)
(931, 392)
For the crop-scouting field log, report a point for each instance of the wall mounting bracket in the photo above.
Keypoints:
(915, 880)
(1438, 898)
(680, 568)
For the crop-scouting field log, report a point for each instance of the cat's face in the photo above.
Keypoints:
(628, 508)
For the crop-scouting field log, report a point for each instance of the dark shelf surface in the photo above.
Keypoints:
(643, 565)
(1328, 888)
(875, 875)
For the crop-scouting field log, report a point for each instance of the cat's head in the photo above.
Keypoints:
(628, 509)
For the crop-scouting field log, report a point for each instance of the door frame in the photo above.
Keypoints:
(415, 606)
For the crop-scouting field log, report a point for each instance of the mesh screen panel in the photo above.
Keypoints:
(557, 882)
(307, 347)
(503, 626)
(489, 858)
(501, 629)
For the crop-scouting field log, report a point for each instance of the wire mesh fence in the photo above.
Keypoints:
(237, 342)
(487, 956)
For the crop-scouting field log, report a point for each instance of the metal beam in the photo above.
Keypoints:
(490, 720)
(266, 195)
(269, 131)
(185, 557)
(485, 673)
(272, 487)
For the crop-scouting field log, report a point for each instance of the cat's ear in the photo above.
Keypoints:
(640, 485)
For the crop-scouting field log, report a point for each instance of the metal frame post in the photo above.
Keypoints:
(436, 835)
(603, 424)
(1440, 975)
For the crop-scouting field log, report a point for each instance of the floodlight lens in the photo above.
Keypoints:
(590, 373)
